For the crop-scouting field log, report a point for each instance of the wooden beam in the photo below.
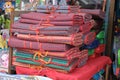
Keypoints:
(110, 35)
(11, 49)
(110, 30)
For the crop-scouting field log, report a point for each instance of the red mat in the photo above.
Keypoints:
(17, 43)
(84, 73)
(56, 17)
(75, 39)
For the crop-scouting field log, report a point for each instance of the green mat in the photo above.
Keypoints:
(90, 52)
(69, 68)
(62, 64)
(30, 56)
(101, 41)
(101, 35)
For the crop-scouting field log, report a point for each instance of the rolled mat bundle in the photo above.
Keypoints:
(47, 59)
(84, 73)
(45, 7)
(67, 55)
(44, 17)
(50, 59)
(37, 45)
(37, 32)
(50, 27)
(57, 9)
(75, 39)
(60, 23)
(56, 19)
(68, 68)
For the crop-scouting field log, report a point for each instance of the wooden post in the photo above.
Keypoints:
(110, 35)
(107, 72)
(10, 49)
(110, 30)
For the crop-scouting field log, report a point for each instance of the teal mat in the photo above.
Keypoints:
(30, 56)
(69, 68)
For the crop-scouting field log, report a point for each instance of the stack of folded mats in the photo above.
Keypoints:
(46, 40)
(68, 62)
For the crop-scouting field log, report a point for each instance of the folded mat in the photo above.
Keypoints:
(75, 39)
(44, 17)
(51, 30)
(46, 59)
(83, 28)
(50, 59)
(56, 23)
(56, 17)
(35, 67)
(36, 32)
(4, 76)
(43, 30)
(18, 25)
(69, 68)
(45, 7)
(68, 55)
(57, 11)
(84, 73)
(37, 45)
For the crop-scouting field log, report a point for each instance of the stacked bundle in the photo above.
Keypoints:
(58, 9)
(70, 19)
(51, 41)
